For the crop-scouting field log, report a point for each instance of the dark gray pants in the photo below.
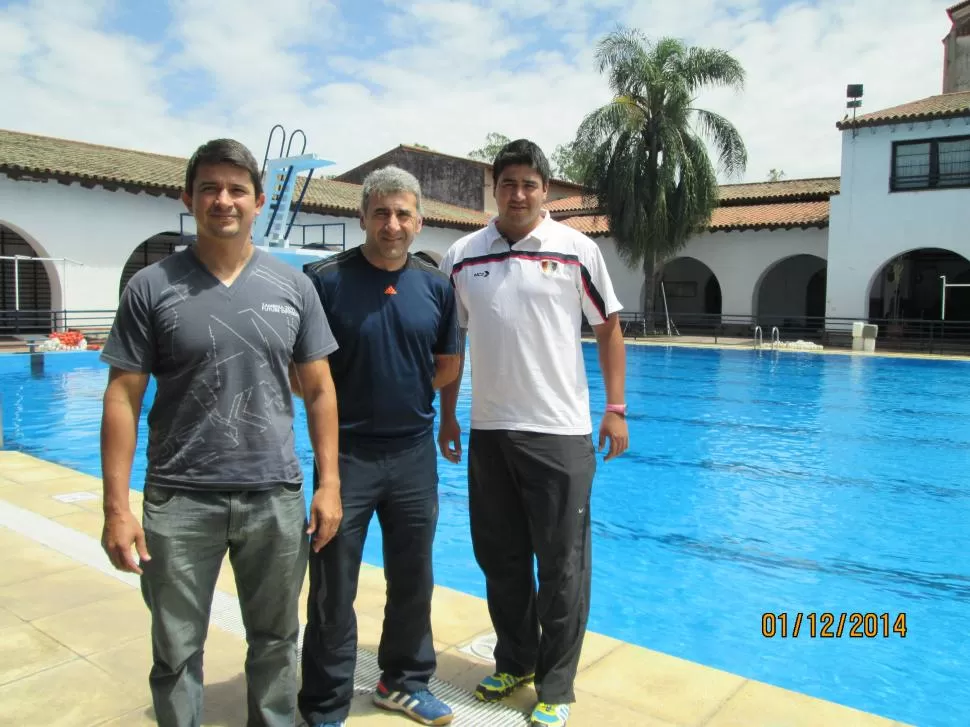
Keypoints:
(188, 534)
(401, 486)
(529, 498)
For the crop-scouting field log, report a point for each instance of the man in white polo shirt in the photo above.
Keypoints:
(523, 285)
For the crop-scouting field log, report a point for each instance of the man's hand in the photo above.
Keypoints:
(326, 512)
(120, 533)
(449, 439)
(614, 427)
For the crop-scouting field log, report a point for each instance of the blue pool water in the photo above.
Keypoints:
(756, 482)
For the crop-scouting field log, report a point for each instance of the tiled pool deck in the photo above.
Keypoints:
(74, 645)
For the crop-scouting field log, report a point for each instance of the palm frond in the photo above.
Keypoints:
(703, 67)
(732, 154)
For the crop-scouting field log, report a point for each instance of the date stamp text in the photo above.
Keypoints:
(828, 625)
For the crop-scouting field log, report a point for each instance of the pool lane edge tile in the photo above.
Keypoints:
(775, 705)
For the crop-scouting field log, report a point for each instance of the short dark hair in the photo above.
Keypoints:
(223, 151)
(521, 151)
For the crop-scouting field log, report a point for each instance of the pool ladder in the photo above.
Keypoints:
(759, 337)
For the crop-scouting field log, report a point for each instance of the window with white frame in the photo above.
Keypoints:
(930, 164)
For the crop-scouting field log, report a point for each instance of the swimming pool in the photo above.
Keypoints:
(757, 482)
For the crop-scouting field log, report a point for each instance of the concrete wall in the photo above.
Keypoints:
(94, 228)
(738, 259)
(956, 54)
(870, 225)
(454, 181)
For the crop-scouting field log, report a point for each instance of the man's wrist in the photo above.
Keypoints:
(616, 409)
(330, 481)
(116, 507)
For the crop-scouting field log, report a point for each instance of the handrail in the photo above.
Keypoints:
(269, 141)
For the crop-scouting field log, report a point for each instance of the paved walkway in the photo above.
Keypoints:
(74, 645)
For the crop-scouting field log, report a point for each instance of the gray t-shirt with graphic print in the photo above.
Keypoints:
(222, 418)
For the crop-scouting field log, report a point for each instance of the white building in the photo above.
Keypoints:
(95, 215)
(807, 255)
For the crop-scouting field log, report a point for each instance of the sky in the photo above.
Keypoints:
(360, 77)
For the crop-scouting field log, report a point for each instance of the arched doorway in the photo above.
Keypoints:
(150, 251)
(908, 287)
(815, 294)
(692, 292)
(791, 294)
(26, 290)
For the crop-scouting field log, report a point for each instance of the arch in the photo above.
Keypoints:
(155, 248)
(692, 290)
(429, 256)
(33, 286)
(790, 293)
(908, 287)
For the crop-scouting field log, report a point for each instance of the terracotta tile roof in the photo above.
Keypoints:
(944, 106)
(959, 6)
(78, 160)
(816, 189)
(579, 203)
(782, 215)
(592, 225)
(138, 171)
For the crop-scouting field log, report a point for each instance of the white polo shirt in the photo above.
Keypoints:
(522, 304)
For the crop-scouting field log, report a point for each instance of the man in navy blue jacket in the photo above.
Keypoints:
(395, 321)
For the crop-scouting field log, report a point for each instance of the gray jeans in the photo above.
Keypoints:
(188, 534)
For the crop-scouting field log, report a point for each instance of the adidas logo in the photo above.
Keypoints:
(389, 290)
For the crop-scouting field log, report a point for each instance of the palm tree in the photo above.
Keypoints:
(649, 169)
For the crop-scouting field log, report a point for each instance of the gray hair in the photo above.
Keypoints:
(390, 180)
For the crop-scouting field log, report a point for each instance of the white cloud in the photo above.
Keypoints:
(447, 73)
(67, 78)
(246, 47)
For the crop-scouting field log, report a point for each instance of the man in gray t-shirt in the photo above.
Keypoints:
(218, 326)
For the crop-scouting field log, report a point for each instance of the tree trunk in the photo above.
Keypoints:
(649, 293)
(652, 274)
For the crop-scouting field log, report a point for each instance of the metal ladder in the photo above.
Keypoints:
(274, 222)
(758, 338)
(775, 337)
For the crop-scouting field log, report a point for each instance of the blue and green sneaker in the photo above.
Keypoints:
(549, 715)
(500, 685)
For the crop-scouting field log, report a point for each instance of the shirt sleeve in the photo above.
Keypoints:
(447, 343)
(446, 265)
(314, 338)
(131, 340)
(599, 299)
